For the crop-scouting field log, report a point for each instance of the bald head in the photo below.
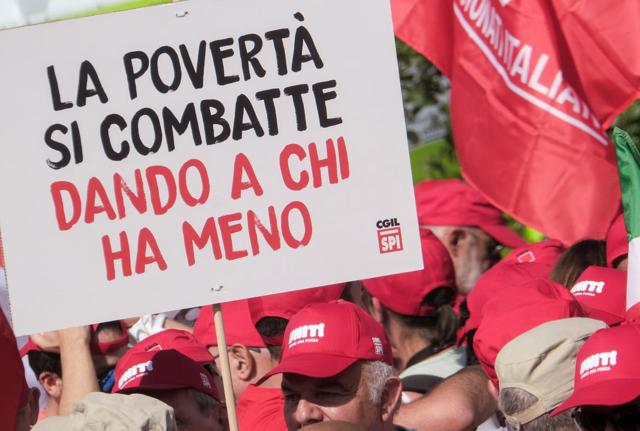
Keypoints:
(332, 426)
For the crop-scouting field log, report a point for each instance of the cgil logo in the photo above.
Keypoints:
(133, 372)
(389, 235)
(598, 362)
(306, 332)
(382, 224)
(588, 287)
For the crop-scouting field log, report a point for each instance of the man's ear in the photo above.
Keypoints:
(454, 240)
(52, 384)
(243, 362)
(391, 396)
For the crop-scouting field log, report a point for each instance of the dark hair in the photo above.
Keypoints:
(41, 362)
(269, 327)
(439, 327)
(472, 359)
(576, 259)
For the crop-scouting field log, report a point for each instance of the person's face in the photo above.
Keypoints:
(344, 397)
(474, 253)
(189, 416)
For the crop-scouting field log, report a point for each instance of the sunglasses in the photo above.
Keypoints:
(624, 418)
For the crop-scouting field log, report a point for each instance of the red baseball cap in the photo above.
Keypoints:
(500, 281)
(607, 372)
(452, 202)
(285, 305)
(508, 316)
(96, 347)
(617, 240)
(404, 293)
(14, 387)
(324, 339)
(160, 370)
(602, 292)
(238, 326)
(546, 252)
(176, 339)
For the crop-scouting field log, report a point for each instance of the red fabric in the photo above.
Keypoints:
(14, 386)
(182, 341)
(238, 327)
(617, 240)
(323, 339)
(607, 372)
(504, 280)
(602, 292)
(452, 202)
(404, 293)
(536, 150)
(261, 409)
(508, 316)
(139, 371)
(545, 252)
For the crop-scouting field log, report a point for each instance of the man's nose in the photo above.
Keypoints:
(307, 413)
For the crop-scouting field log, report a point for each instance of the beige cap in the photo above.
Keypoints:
(542, 361)
(113, 412)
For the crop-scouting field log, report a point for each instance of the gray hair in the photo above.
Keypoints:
(514, 400)
(376, 374)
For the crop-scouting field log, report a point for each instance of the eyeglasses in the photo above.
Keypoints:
(623, 418)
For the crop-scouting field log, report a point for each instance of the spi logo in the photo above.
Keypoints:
(389, 235)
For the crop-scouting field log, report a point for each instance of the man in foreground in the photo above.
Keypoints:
(336, 366)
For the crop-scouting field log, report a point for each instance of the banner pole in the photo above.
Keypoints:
(226, 369)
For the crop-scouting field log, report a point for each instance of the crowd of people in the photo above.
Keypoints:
(537, 338)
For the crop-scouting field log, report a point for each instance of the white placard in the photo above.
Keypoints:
(200, 152)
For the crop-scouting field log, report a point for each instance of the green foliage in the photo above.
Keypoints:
(423, 85)
(629, 121)
(126, 5)
(434, 160)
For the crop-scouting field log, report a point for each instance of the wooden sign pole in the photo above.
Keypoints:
(226, 369)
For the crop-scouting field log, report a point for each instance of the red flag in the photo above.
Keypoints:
(524, 78)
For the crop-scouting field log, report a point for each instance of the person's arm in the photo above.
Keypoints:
(78, 372)
(460, 403)
(174, 324)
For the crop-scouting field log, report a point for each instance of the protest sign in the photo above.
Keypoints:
(200, 152)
